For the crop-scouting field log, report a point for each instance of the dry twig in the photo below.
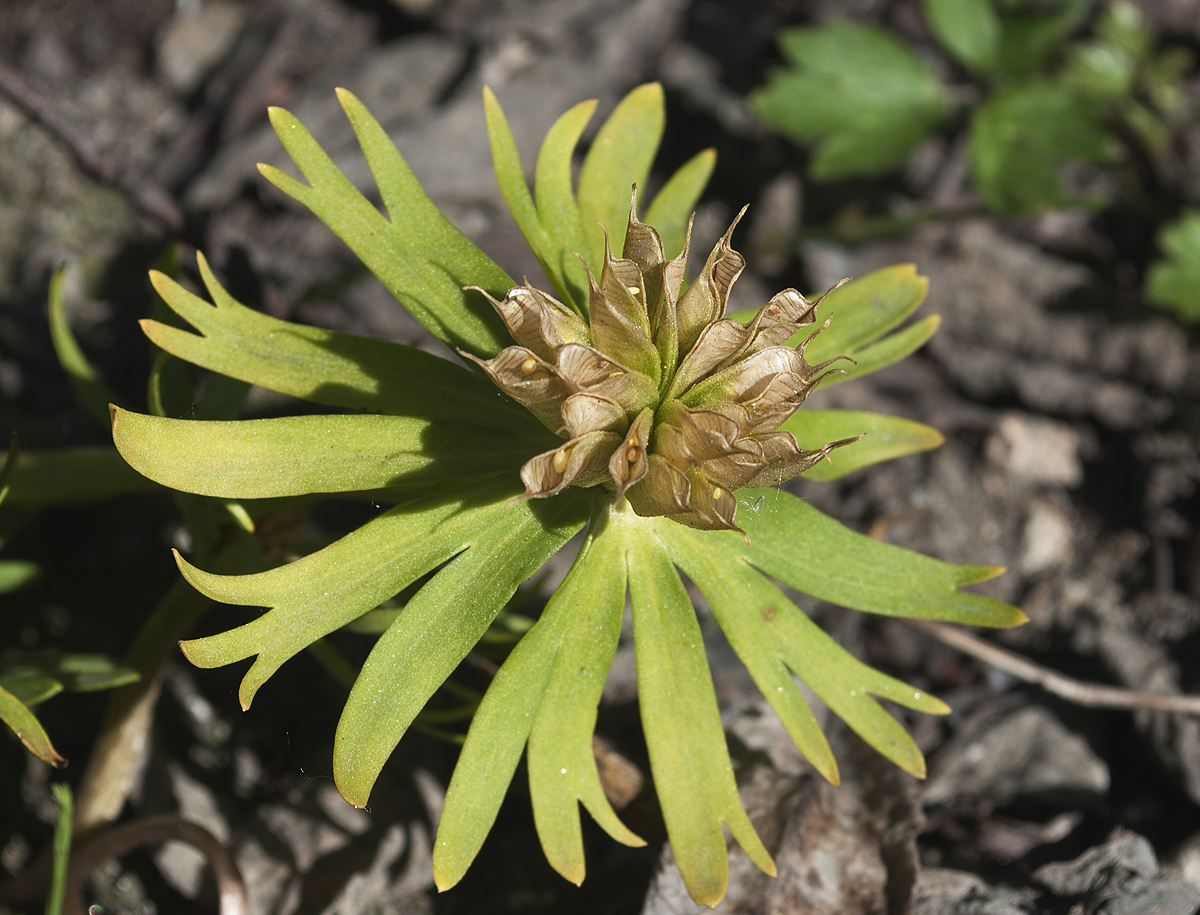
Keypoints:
(1092, 695)
(149, 197)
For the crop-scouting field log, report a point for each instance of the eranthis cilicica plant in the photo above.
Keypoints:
(627, 404)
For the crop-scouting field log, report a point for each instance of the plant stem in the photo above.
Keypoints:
(1092, 695)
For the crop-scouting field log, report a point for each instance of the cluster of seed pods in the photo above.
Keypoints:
(658, 395)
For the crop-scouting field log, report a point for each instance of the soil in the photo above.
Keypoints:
(1069, 406)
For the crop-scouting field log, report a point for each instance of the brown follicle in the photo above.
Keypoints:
(659, 396)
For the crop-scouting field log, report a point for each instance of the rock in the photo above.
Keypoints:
(1036, 451)
(198, 37)
(1185, 862)
(1120, 877)
(1027, 752)
(182, 865)
(1047, 541)
(397, 82)
(775, 224)
(941, 891)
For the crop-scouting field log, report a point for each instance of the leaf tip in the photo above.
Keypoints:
(442, 880)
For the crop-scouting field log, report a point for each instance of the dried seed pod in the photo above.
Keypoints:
(659, 396)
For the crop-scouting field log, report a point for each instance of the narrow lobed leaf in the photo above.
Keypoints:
(322, 365)
(90, 390)
(809, 551)
(557, 210)
(510, 177)
(886, 438)
(501, 545)
(865, 309)
(28, 729)
(550, 685)
(693, 776)
(768, 631)
(71, 476)
(297, 455)
(435, 296)
(619, 158)
(413, 219)
(321, 592)
(676, 200)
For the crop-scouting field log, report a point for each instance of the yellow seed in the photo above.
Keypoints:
(632, 453)
(717, 493)
(560, 460)
(634, 289)
(528, 366)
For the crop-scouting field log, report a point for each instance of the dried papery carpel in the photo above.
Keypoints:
(659, 396)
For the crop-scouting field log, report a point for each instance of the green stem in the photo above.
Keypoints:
(62, 849)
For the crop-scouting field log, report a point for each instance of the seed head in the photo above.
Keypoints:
(659, 396)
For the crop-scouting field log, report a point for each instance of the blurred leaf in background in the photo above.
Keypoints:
(863, 94)
(1174, 282)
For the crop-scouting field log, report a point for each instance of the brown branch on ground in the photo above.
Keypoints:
(1092, 695)
(88, 853)
(149, 197)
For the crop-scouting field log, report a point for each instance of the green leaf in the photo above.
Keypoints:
(1031, 33)
(297, 455)
(321, 365)
(1021, 136)
(1174, 281)
(774, 638)
(887, 351)
(676, 200)
(9, 468)
(62, 848)
(619, 158)
(71, 476)
(860, 313)
(25, 674)
(321, 592)
(863, 310)
(557, 210)
(693, 776)
(90, 390)
(860, 92)
(498, 547)
(549, 687)
(423, 261)
(968, 29)
(809, 551)
(510, 177)
(887, 438)
(28, 729)
(415, 222)
(29, 688)
(16, 574)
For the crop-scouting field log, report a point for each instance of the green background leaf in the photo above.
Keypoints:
(968, 29)
(859, 91)
(1020, 136)
(28, 729)
(1174, 281)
